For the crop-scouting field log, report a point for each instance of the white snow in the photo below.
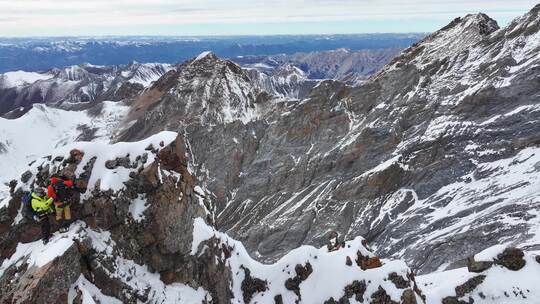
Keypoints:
(140, 278)
(37, 254)
(111, 179)
(501, 286)
(202, 55)
(510, 187)
(137, 208)
(21, 78)
(134, 275)
(90, 294)
(145, 74)
(490, 253)
(330, 272)
(42, 129)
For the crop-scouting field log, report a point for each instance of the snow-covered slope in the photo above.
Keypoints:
(496, 284)
(172, 253)
(42, 129)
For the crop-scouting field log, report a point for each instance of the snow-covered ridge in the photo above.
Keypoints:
(203, 55)
(101, 152)
(35, 254)
(42, 129)
(146, 73)
(316, 288)
(455, 38)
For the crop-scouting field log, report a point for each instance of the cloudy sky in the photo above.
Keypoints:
(238, 17)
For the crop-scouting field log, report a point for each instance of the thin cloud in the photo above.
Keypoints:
(72, 17)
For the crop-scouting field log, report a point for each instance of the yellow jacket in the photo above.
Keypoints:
(41, 205)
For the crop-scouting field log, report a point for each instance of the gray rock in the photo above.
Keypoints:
(25, 177)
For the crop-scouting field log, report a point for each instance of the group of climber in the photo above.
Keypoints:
(57, 199)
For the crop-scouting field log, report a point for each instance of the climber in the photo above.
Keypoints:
(61, 190)
(42, 205)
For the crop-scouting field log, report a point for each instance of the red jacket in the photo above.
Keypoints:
(54, 180)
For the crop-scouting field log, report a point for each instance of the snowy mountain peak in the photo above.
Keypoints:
(145, 73)
(72, 73)
(289, 70)
(77, 83)
(479, 22)
(458, 36)
(210, 91)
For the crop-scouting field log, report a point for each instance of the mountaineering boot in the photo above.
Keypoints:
(63, 226)
(45, 241)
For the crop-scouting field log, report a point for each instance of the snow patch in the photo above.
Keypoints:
(90, 294)
(137, 208)
(37, 254)
(202, 56)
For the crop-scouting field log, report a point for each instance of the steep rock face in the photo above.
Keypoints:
(432, 159)
(46, 283)
(76, 84)
(135, 210)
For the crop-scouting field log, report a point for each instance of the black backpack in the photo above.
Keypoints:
(63, 192)
(27, 210)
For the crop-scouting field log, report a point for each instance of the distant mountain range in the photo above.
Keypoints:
(348, 66)
(39, 54)
(290, 76)
(76, 84)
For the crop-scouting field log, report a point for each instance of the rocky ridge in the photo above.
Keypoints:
(144, 234)
(351, 67)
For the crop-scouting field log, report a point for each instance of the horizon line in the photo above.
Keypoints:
(208, 36)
